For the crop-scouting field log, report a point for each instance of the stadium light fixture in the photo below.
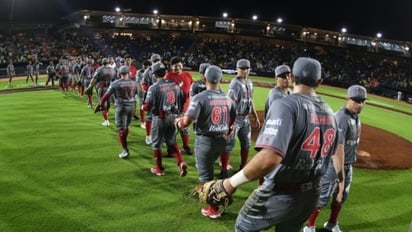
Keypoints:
(379, 35)
(155, 12)
(225, 14)
(344, 30)
(117, 9)
(254, 17)
(279, 20)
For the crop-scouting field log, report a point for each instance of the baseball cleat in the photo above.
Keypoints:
(157, 171)
(187, 150)
(124, 155)
(148, 140)
(106, 123)
(332, 227)
(309, 229)
(182, 169)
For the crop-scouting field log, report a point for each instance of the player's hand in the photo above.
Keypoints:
(257, 123)
(232, 130)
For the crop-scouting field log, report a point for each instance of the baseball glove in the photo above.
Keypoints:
(98, 108)
(214, 193)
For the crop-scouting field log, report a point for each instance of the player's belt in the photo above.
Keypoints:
(211, 135)
(297, 187)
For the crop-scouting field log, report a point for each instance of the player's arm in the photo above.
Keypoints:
(338, 163)
(183, 122)
(257, 124)
(261, 164)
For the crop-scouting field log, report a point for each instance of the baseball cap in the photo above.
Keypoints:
(155, 57)
(158, 66)
(124, 69)
(105, 61)
(213, 74)
(306, 71)
(357, 92)
(243, 63)
(281, 69)
(202, 67)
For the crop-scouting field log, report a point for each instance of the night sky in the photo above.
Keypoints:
(362, 17)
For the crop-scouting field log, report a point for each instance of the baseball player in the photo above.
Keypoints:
(294, 147)
(349, 126)
(281, 89)
(64, 72)
(146, 82)
(102, 78)
(11, 72)
(51, 74)
(124, 90)
(29, 69)
(36, 71)
(241, 91)
(141, 92)
(199, 85)
(133, 74)
(184, 80)
(165, 100)
(86, 75)
(215, 113)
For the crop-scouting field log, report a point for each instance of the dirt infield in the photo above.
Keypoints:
(378, 149)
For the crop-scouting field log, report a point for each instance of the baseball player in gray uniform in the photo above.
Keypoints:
(199, 85)
(124, 90)
(147, 81)
(294, 147)
(241, 91)
(146, 64)
(283, 75)
(36, 68)
(30, 70)
(102, 78)
(11, 72)
(165, 100)
(51, 74)
(215, 113)
(86, 75)
(336, 185)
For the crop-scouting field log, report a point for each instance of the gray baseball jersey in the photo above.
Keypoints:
(86, 74)
(349, 135)
(166, 100)
(103, 76)
(274, 94)
(123, 92)
(10, 70)
(147, 81)
(213, 111)
(197, 87)
(302, 129)
(241, 92)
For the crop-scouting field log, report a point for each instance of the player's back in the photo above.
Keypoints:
(105, 75)
(124, 91)
(212, 110)
(303, 130)
(166, 97)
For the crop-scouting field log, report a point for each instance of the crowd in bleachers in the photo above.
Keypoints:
(341, 66)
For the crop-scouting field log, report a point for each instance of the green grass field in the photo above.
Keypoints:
(59, 171)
